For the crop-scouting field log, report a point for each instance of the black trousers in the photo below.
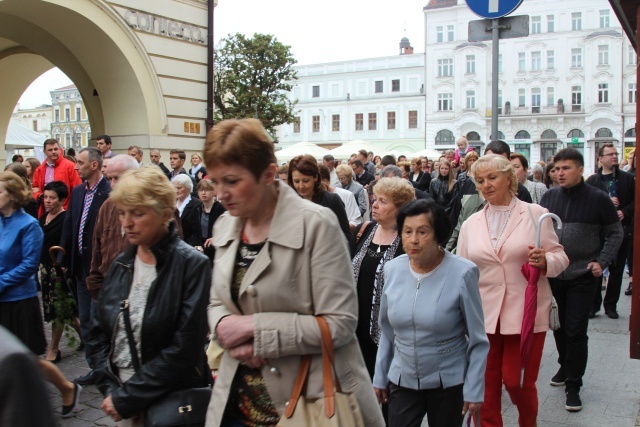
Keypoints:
(616, 273)
(575, 299)
(443, 406)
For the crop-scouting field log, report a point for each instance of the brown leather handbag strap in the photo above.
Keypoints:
(298, 386)
(361, 231)
(327, 368)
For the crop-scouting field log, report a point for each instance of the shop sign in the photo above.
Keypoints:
(164, 27)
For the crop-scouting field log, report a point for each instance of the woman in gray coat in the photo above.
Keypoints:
(433, 346)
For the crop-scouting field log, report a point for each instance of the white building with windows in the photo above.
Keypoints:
(70, 125)
(572, 81)
(380, 100)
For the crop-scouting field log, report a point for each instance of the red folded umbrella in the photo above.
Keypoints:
(532, 274)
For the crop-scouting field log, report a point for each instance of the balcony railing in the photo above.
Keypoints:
(538, 110)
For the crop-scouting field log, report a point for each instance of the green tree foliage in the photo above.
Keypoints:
(252, 78)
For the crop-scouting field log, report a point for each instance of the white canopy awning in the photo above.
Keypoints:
(299, 149)
(345, 150)
(429, 152)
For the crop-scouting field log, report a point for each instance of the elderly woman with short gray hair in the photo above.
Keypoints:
(184, 202)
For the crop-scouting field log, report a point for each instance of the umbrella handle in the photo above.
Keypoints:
(542, 218)
(52, 253)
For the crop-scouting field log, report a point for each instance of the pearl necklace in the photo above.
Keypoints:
(494, 244)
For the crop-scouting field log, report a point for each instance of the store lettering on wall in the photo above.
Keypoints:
(164, 27)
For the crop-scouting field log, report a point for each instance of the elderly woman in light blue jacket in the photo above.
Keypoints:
(433, 346)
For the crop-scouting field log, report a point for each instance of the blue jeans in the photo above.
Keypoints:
(85, 311)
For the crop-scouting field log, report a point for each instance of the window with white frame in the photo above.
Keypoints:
(78, 114)
(633, 93)
(535, 99)
(395, 85)
(576, 99)
(499, 63)
(604, 18)
(499, 101)
(632, 58)
(378, 86)
(603, 54)
(359, 121)
(445, 101)
(471, 99)
(576, 58)
(551, 23)
(440, 33)
(335, 122)
(450, 33)
(373, 121)
(315, 92)
(296, 125)
(445, 67)
(536, 24)
(576, 21)
(391, 120)
(551, 99)
(315, 123)
(603, 92)
(413, 119)
(522, 65)
(536, 61)
(551, 59)
(521, 97)
(471, 64)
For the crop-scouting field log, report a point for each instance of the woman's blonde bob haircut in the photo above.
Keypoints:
(146, 187)
(17, 189)
(344, 171)
(400, 191)
(496, 163)
(241, 142)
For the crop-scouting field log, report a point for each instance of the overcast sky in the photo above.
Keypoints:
(322, 31)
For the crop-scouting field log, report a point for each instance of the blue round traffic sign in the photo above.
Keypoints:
(492, 9)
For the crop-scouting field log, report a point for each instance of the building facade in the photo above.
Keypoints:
(38, 119)
(140, 66)
(380, 100)
(571, 82)
(70, 124)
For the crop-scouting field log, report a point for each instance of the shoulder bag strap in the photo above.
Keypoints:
(364, 227)
(298, 386)
(533, 220)
(124, 309)
(327, 368)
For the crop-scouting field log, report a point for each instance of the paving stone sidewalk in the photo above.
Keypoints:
(610, 396)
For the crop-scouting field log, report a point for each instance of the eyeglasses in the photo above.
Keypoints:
(610, 155)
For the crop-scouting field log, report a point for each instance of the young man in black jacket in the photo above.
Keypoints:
(588, 216)
(620, 186)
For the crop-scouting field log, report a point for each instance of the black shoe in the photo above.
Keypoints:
(57, 359)
(89, 379)
(559, 378)
(67, 411)
(574, 404)
(612, 314)
(592, 314)
(629, 289)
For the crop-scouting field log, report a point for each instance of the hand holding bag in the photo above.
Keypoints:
(336, 409)
(178, 408)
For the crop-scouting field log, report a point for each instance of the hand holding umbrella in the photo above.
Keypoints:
(531, 271)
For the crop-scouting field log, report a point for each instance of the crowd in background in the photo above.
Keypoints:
(421, 268)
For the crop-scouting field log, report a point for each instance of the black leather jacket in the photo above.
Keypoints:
(173, 327)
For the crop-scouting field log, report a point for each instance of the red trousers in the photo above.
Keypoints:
(503, 366)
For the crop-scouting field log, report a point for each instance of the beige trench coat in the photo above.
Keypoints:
(304, 270)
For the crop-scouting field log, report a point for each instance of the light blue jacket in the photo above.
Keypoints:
(20, 247)
(433, 331)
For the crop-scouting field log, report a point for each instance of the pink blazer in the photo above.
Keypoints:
(502, 285)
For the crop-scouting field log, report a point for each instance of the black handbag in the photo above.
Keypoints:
(178, 408)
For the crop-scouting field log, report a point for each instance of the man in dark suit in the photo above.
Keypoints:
(77, 233)
(363, 177)
(418, 178)
(392, 171)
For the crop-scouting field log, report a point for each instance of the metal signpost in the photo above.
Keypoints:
(512, 27)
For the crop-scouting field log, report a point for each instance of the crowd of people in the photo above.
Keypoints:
(422, 268)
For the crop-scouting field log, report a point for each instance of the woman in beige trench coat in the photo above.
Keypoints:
(280, 261)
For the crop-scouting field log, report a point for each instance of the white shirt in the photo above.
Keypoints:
(350, 205)
(183, 204)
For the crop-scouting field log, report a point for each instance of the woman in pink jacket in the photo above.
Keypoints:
(499, 240)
